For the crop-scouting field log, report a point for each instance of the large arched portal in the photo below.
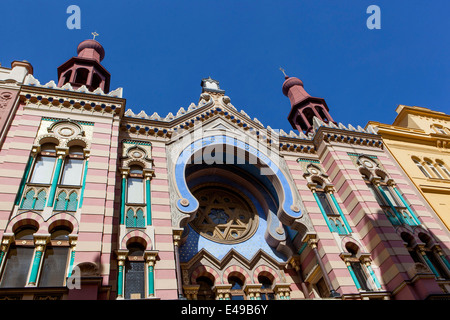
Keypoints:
(237, 205)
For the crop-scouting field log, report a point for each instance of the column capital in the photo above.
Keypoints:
(253, 290)
(7, 239)
(124, 171)
(61, 152)
(376, 181)
(294, 261)
(329, 188)
(40, 241)
(421, 248)
(176, 234)
(391, 182)
(191, 291)
(311, 239)
(73, 240)
(87, 153)
(283, 290)
(150, 256)
(312, 186)
(121, 254)
(365, 258)
(222, 291)
(35, 149)
(148, 173)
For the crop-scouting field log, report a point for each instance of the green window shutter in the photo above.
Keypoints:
(40, 202)
(27, 202)
(130, 219)
(140, 220)
(61, 201)
(73, 202)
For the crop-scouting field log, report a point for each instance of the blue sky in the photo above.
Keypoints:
(159, 51)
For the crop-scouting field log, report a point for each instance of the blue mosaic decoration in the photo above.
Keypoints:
(267, 223)
(191, 205)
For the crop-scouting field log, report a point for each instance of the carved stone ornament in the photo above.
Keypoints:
(89, 269)
(4, 98)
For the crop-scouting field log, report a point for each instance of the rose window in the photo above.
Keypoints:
(224, 215)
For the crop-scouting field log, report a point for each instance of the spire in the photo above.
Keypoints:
(86, 69)
(304, 107)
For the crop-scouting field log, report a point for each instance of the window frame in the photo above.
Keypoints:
(138, 177)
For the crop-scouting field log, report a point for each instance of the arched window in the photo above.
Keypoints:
(435, 171)
(18, 259)
(421, 167)
(81, 76)
(357, 269)
(303, 127)
(411, 245)
(443, 168)
(73, 167)
(237, 286)
(32, 201)
(96, 81)
(432, 258)
(205, 292)
(44, 165)
(309, 115)
(266, 288)
(54, 266)
(331, 212)
(392, 206)
(67, 76)
(135, 272)
(135, 185)
(439, 129)
(322, 114)
(135, 219)
(66, 202)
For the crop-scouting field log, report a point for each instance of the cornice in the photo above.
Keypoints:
(60, 99)
(419, 111)
(414, 136)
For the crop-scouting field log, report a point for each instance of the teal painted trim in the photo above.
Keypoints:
(149, 202)
(397, 214)
(347, 226)
(307, 160)
(416, 220)
(35, 268)
(79, 122)
(303, 247)
(122, 204)
(431, 266)
(2, 254)
(83, 184)
(352, 274)
(361, 154)
(151, 281)
(120, 282)
(141, 143)
(323, 212)
(447, 264)
(24, 180)
(374, 277)
(72, 259)
(51, 196)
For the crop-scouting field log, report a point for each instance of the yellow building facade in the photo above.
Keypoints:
(419, 140)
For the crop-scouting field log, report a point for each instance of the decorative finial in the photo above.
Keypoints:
(95, 34)
(282, 70)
